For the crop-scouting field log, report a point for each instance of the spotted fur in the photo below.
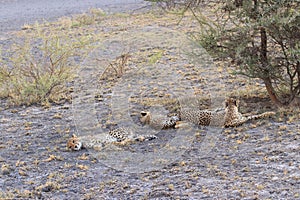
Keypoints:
(119, 135)
(158, 122)
(227, 117)
(234, 118)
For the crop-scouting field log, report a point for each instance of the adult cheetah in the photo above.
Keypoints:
(226, 117)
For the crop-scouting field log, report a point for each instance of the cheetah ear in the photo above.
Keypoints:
(226, 103)
(236, 102)
(143, 113)
(74, 136)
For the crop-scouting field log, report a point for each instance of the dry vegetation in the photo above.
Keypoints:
(255, 161)
(39, 66)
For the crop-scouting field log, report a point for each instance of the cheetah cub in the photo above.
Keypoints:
(118, 136)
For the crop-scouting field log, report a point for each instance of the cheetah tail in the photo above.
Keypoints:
(145, 138)
(260, 116)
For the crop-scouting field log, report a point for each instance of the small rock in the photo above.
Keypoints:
(5, 169)
(47, 188)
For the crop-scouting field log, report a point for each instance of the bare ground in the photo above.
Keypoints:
(259, 160)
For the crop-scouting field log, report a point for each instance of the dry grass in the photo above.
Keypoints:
(32, 74)
(38, 66)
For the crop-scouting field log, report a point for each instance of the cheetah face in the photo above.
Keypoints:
(145, 117)
(232, 105)
(74, 143)
(231, 102)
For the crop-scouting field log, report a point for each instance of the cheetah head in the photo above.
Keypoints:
(231, 104)
(145, 117)
(74, 143)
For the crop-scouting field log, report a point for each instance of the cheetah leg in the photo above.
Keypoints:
(261, 116)
(182, 124)
(142, 138)
(239, 122)
(124, 142)
(139, 138)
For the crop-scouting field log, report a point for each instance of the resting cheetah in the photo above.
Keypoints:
(158, 122)
(119, 135)
(227, 117)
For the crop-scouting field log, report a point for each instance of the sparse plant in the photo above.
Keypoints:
(83, 19)
(117, 66)
(36, 70)
(87, 18)
(156, 56)
(7, 195)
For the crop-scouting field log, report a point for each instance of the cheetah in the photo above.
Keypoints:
(120, 135)
(158, 122)
(234, 118)
(226, 117)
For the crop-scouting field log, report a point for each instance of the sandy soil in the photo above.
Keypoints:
(259, 160)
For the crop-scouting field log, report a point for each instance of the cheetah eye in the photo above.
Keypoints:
(73, 141)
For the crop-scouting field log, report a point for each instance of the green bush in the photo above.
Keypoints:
(261, 37)
(37, 70)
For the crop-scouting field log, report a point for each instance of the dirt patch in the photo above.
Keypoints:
(259, 160)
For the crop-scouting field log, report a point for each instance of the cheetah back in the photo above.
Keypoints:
(198, 117)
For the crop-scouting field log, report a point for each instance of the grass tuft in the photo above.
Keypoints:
(37, 69)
